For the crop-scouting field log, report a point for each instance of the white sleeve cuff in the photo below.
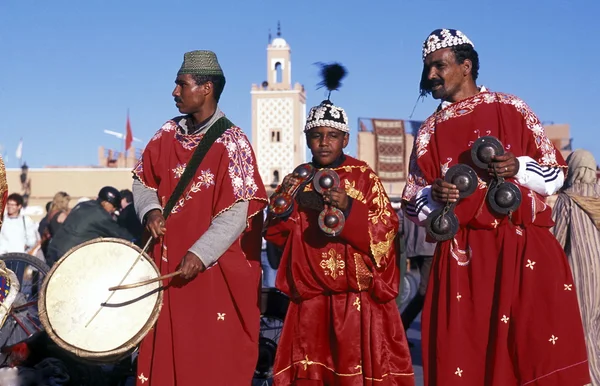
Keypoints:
(522, 176)
(421, 206)
(545, 180)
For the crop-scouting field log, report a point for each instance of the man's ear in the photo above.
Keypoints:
(208, 88)
(467, 67)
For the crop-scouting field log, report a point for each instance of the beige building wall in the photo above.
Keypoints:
(77, 182)
(116, 159)
(560, 135)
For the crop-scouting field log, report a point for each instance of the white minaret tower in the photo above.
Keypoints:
(278, 116)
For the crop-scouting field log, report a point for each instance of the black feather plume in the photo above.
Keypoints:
(332, 75)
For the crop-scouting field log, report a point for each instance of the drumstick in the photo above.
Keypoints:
(143, 283)
(122, 280)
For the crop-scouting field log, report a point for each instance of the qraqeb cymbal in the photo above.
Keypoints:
(504, 197)
(326, 179)
(484, 150)
(331, 221)
(282, 203)
(464, 178)
(442, 224)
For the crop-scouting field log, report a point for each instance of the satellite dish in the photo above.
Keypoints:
(265, 84)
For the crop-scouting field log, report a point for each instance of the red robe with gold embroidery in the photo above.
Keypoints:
(342, 326)
(207, 331)
(500, 308)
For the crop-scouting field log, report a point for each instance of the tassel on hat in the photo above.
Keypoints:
(327, 114)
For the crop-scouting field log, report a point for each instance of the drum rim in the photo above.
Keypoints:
(102, 356)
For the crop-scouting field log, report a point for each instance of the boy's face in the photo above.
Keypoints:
(326, 144)
(12, 208)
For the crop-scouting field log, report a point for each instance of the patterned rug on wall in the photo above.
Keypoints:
(390, 149)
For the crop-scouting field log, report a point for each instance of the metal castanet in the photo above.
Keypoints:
(503, 197)
(326, 179)
(484, 150)
(442, 224)
(464, 178)
(282, 203)
(331, 219)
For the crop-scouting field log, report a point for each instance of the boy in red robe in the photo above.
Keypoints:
(500, 308)
(342, 326)
(207, 331)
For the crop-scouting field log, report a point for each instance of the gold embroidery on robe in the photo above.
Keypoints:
(363, 275)
(380, 250)
(305, 363)
(333, 265)
(351, 191)
(381, 201)
(348, 168)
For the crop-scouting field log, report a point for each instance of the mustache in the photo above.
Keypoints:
(177, 100)
(427, 85)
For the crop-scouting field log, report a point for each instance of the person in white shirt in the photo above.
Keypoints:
(19, 232)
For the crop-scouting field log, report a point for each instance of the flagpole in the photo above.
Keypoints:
(125, 141)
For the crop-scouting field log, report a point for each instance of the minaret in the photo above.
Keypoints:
(278, 116)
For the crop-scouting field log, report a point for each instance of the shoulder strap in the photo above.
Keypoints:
(213, 133)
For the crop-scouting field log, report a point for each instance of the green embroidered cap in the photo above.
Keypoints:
(200, 62)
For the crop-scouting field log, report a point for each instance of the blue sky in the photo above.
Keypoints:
(70, 70)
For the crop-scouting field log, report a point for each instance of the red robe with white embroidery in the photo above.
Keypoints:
(500, 307)
(207, 331)
(343, 326)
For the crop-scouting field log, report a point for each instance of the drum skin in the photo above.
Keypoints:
(77, 286)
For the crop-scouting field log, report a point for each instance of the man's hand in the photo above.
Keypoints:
(190, 266)
(506, 166)
(336, 197)
(288, 181)
(155, 223)
(443, 192)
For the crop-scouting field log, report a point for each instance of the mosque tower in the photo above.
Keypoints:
(278, 116)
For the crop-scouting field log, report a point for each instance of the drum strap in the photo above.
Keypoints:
(213, 133)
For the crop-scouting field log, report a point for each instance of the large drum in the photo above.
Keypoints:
(83, 317)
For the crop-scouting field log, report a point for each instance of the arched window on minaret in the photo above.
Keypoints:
(278, 73)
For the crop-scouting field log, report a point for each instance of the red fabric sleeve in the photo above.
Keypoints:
(356, 229)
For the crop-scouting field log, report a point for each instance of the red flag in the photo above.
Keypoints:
(128, 135)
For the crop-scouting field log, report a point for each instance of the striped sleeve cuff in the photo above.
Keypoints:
(545, 180)
(421, 206)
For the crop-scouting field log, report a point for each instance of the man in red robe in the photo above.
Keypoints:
(207, 331)
(500, 308)
(342, 326)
